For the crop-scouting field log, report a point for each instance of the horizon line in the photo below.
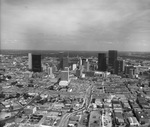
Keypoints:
(70, 50)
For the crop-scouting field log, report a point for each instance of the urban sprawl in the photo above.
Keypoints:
(102, 91)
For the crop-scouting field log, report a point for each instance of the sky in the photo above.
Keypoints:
(90, 25)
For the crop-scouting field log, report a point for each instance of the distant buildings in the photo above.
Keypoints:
(119, 66)
(102, 62)
(127, 68)
(34, 62)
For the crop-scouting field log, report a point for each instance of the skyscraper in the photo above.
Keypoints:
(112, 57)
(84, 61)
(87, 65)
(60, 56)
(30, 61)
(36, 63)
(80, 61)
(64, 63)
(74, 66)
(119, 66)
(50, 73)
(102, 62)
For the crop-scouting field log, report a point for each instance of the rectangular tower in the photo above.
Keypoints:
(36, 63)
(30, 61)
(102, 62)
(119, 66)
(112, 57)
(64, 63)
(50, 72)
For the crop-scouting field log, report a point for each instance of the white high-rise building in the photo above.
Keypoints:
(50, 71)
(30, 61)
(74, 66)
(87, 65)
(80, 61)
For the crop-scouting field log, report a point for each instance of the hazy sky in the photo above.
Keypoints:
(98, 25)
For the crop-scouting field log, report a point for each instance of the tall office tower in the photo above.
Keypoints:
(102, 62)
(112, 56)
(119, 66)
(74, 66)
(80, 61)
(87, 66)
(30, 61)
(64, 63)
(36, 63)
(84, 61)
(50, 73)
(60, 56)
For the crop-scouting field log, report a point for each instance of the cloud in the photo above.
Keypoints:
(80, 24)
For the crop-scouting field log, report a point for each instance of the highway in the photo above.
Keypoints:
(65, 118)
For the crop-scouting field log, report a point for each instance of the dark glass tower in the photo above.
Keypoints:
(36, 63)
(112, 57)
(102, 62)
(64, 63)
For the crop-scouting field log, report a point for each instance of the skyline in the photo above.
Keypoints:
(88, 25)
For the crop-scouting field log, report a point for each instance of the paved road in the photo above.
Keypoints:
(65, 118)
(21, 109)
